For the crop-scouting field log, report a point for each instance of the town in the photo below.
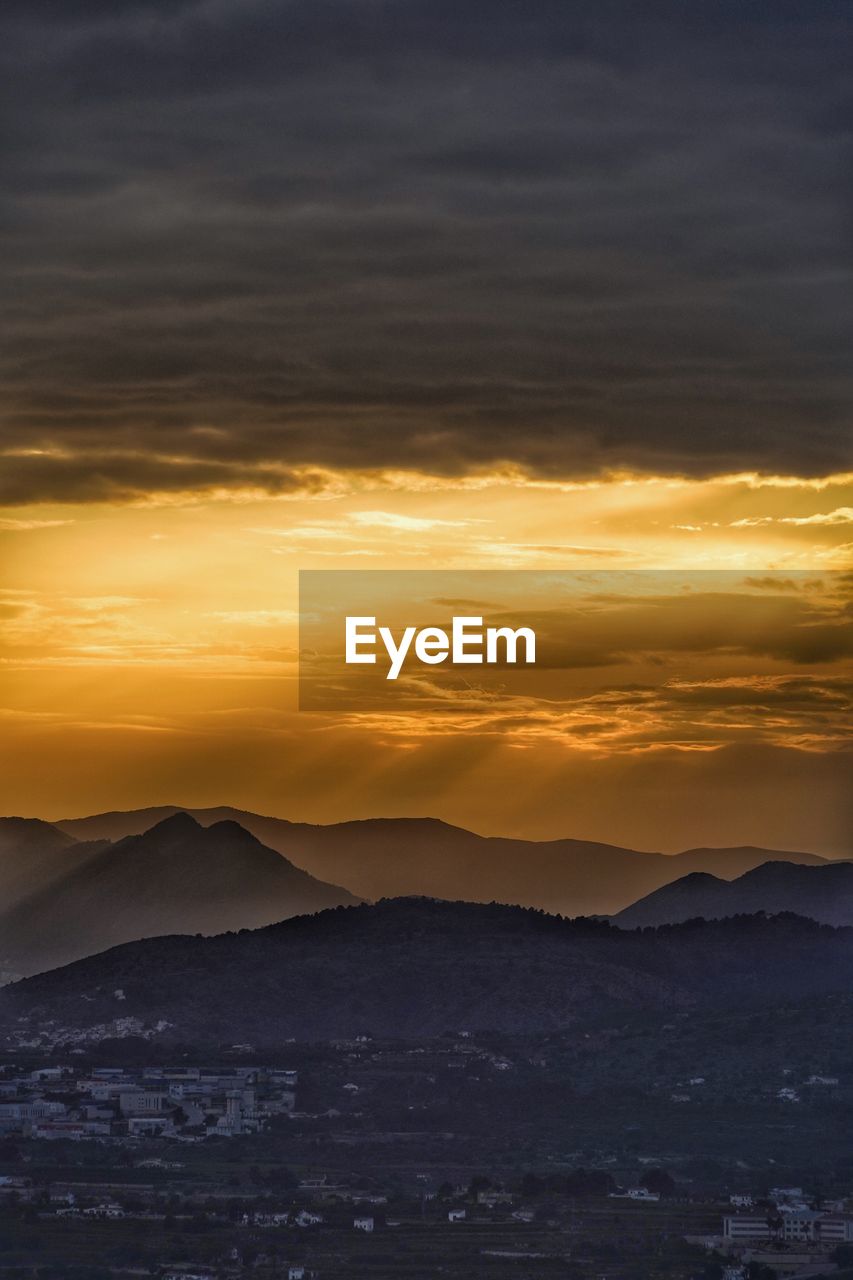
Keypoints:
(391, 1159)
(116, 1102)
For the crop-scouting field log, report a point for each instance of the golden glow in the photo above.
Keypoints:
(150, 656)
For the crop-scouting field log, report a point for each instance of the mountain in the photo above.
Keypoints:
(418, 967)
(389, 857)
(176, 877)
(33, 854)
(822, 893)
(31, 833)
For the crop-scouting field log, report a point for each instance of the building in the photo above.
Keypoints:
(793, 1226)
(746, 1227)
(836, 1229)
(801, 1224)
(139, 1102)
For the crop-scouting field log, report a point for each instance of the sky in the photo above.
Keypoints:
(397, 284)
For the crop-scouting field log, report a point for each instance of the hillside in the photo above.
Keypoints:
(417, 967)
(821, 893)
(389, 857)
(176, 877)
(34, 854)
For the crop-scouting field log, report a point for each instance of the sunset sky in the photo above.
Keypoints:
(400, 284)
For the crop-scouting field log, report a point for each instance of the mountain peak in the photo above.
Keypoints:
(823, 893)
(176, 825)
(176, 877)
(231, 827)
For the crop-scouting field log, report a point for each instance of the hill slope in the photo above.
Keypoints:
(417, 967)
(387, 857)
(34, 853)
(821, 893)
(177, 877)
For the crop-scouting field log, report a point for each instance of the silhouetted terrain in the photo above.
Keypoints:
(35, 854)
(177, 877)
(416, 967)
(821, 893)
(64, 897)
(388, 857)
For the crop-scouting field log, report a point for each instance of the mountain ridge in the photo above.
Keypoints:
(418, 967)
(388, 857)
(823, 893)
(176, 877)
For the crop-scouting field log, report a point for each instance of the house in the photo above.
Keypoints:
(491, 1198)
(305, 1218)
(778, 1194)
(188, 1275)
(74, 1129)
(104, 1211)
(364, 1223)
(456, 1215)
(269, 1219)
(152, 1126)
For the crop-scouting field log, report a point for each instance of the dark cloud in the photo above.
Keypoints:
(111, 476)
(779, 627)
(775, 582)
(703, 658)
(415, 233)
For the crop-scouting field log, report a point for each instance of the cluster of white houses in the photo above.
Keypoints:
(52, 1102)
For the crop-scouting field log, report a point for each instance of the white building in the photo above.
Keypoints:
(746, 1227)
(139, 1102)
(836, 1229)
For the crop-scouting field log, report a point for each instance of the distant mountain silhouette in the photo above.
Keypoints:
(178, 876)
(34, 854)
(388, 857)
(19, 834)
(821, 893)
(417, 967)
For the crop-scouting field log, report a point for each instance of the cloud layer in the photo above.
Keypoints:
(243, 239)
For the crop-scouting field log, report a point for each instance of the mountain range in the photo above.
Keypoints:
(419, 967)
(73, 888)
(176, 877)
(822, 893)
(33, 853)
(391, 857)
